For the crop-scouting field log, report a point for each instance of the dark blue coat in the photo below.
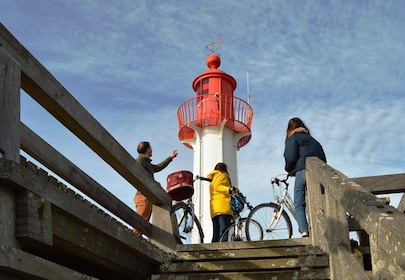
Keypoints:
(298, 147)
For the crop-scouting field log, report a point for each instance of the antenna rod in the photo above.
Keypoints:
(247, 82)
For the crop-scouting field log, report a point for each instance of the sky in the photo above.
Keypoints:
(338, 65)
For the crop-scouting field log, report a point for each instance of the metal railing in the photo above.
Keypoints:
(211, 110)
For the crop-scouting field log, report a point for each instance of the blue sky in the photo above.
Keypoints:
(338, 65)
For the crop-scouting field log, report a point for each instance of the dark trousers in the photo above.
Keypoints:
(219, 224)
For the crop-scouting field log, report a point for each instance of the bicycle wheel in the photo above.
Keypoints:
(229, 232)
(186, 227)
(274, 224)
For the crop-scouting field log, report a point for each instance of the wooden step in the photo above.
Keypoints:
(314, 274)
(275, 259)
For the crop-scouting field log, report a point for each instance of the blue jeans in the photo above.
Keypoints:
(219, 224)
(299, 200)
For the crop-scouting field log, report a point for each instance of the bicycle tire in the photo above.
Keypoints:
(265, 214)
(229, 233)
(186, 227)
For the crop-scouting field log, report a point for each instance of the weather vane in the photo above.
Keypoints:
(214, 45)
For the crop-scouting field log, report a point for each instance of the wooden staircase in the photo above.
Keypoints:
(273, 260)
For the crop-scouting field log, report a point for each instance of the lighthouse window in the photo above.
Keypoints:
(205, 85)
(202, 86)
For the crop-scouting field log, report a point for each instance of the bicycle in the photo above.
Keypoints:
(235, 232)
(186, 227)
(275, 221)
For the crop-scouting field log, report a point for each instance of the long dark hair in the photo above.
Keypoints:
(221, 167)
(295, 123)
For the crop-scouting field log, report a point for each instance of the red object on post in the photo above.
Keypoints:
(180, 185)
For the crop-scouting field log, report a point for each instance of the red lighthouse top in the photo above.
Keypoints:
(214, 103)
(213, 61)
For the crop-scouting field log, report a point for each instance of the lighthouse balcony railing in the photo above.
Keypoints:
(211, 110)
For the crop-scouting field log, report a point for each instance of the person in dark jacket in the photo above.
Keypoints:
(299, 144)
(142, 204)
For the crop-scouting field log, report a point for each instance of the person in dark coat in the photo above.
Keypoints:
(142, 204)
(299, 144)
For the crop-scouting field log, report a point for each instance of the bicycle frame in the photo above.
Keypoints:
(287, 201)
(235, 231)
(284, 202)
(238, 225)
(190, 205)
(185, 222)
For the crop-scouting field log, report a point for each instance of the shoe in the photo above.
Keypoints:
(304, 234)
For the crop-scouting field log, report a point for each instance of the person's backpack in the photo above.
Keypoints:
(237, 204)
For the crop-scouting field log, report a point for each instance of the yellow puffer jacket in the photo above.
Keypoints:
(219, 193)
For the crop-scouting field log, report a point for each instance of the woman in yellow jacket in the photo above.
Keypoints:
(220, 195)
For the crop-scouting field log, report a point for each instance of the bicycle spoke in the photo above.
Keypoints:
(275, 224)
(238, 233)
(186, 227)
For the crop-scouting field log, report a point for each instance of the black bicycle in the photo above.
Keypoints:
(186, 227)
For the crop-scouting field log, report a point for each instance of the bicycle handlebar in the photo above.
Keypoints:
(245, 200)
(277, 181)
(197, 177)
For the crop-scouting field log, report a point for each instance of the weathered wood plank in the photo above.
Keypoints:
(23, 264)
(280, 243)
(250, 265)
(34, 218)
(349, 266)
(315, 197)
(61, 166)
(87, 244)
(16, 176)
(250, 253)
(162, 230)
(313, 274)
(7, 217)
(10, 83)
(85, 249)
(48, 92)
(383, 184)
(383, 223)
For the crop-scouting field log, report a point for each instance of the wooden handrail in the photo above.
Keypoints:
(35, 146)
(331, 195)
(48, 92)
(36, 81)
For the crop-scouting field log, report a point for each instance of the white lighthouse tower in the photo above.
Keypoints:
(215, 125)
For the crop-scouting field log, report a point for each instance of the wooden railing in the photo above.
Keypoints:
(333, 198)
(20, 70)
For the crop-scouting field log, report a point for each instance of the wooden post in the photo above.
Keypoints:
(316, 209)
(10, 82)
(162, 231)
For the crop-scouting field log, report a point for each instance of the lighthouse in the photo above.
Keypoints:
(215, 125)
